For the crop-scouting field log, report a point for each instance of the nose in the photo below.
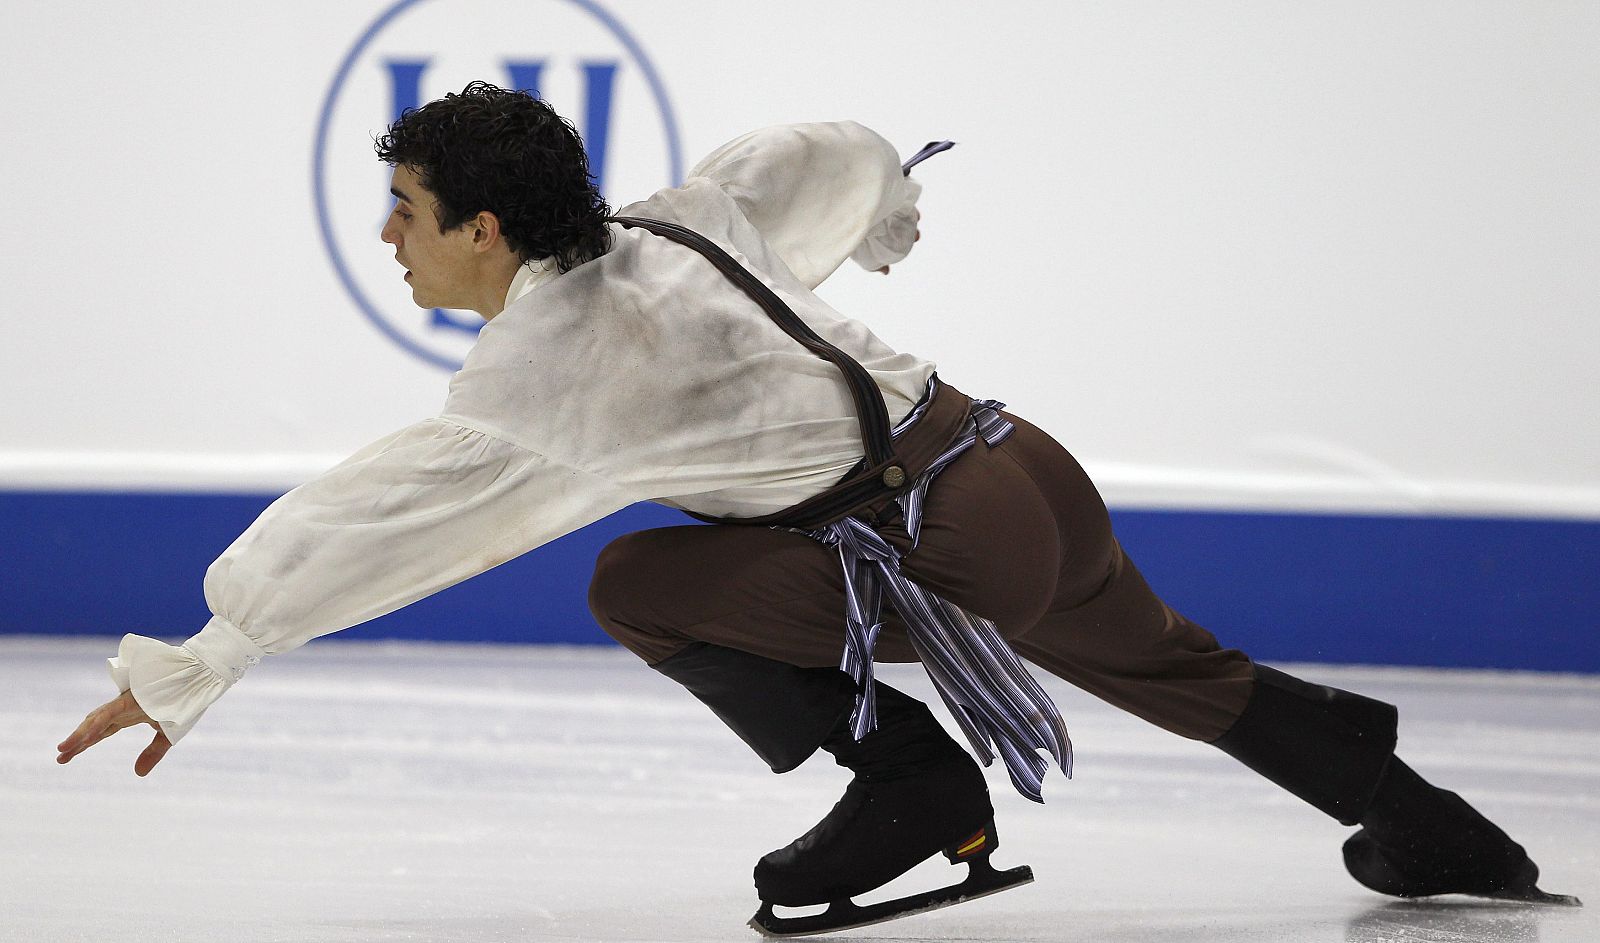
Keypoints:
(389, 233)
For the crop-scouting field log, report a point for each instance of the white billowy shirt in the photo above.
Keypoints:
(641, 375)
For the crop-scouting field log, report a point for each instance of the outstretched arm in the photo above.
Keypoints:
(406, 517)
(819, 194)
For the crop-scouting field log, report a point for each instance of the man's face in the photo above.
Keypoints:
(437, 264)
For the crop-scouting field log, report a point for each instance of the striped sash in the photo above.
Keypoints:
(984, 684)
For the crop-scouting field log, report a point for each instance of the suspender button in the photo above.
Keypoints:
(894, 476)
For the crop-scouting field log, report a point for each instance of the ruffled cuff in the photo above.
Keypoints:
(175, 684)
(891, 239)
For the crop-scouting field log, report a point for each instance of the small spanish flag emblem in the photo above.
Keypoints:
(973, 844)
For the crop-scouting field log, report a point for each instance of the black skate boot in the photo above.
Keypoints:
(916, 793)
(1335, 750)
(1418, 840)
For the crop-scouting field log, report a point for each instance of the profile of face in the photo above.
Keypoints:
(439, 265)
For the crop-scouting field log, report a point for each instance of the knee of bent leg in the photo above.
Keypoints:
(632, 576)
(615, 586)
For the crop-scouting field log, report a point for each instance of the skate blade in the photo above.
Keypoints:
(982, 880)
(1532, 895)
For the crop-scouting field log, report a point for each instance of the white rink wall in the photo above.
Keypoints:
(1327, 257)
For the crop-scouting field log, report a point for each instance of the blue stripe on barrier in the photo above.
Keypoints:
(104, 564)
(1446, 591)
(1459, 592)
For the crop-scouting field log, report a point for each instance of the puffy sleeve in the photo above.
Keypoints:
(819, 194)
(404, 518)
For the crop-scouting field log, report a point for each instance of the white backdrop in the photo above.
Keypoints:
(1330, 256)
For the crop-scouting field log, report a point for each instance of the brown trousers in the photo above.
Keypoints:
(1016, 533)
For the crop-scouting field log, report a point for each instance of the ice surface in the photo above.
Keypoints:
(364, 792)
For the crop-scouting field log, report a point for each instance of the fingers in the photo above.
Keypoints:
(152, 754)
(95, 727)
(114, 715)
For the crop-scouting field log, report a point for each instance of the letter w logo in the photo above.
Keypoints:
(599, 78)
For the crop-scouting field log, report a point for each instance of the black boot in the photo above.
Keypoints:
(1417, 840)
(1335, 750)
(915, 793)
(1327, 746)
(782, 711)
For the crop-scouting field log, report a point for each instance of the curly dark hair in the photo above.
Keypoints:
(507, 152)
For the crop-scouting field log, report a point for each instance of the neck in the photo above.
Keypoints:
(492, 299)
(489, 296)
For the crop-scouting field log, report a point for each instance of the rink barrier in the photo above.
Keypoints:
(1402, 590)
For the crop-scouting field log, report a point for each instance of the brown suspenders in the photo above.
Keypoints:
(880, 475)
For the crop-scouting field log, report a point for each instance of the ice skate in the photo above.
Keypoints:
(1335, 750)
(915, 794)
(843, 914)
(1418, 840)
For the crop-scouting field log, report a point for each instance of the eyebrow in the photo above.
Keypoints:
(401, 196)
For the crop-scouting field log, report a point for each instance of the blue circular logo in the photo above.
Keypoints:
(571, 53)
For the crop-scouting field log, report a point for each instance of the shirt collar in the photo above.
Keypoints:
(530, 275)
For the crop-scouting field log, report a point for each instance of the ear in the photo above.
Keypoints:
(485, 229)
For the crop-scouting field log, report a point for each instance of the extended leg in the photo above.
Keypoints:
(1331, 748)
(1110, 634)
(1335, 750)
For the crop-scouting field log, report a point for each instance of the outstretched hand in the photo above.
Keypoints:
(114, 715)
